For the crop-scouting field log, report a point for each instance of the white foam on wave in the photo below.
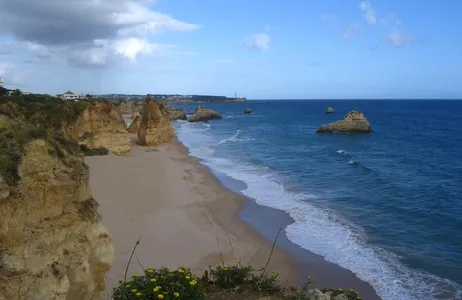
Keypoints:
(323, 231)
(233, 138)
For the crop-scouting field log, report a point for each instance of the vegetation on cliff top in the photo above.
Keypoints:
(29, 117)
(222, 282)
(41, 110)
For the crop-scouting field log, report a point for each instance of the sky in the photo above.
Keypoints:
(296, 49)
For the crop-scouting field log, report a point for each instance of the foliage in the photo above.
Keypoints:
(222, 282)
(43, 110)
(161, 284)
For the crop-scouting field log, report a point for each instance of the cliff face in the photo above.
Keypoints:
(52, 244)
(135, 125)
(155, 127)
(101, 125)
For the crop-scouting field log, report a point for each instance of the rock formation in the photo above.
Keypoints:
(101, 125)
(136, 114)
(126, 107)
(135, 125)
(177, 114)
(353, 122)
(203, 115)
(248, 111)
(330, 110)
(52, 244)
(155, 127)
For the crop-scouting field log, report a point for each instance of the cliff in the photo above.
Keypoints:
(52, 244)
(354, 121)
(155, 127)
(135, 125)
(101, 125)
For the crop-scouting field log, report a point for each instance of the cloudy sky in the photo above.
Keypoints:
(259, 49)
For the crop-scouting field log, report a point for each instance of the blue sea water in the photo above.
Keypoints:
(386, 205)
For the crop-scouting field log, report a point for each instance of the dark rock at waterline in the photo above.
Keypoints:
(354, 121)
(204, 114)
(330, 110)
(248, 111)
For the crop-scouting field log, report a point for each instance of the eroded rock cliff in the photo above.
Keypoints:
(155, 127)
(52, 244)
(178, 114)
(354, 121)
(101, 125)
(135, 125)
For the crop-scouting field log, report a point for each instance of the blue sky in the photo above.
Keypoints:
(258, 49)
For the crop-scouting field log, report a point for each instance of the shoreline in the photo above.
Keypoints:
(186, 216)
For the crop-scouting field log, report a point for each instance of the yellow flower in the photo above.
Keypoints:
(134, 290)
(181, 270)
(138, 294)
(127, 286)
(120, 281)
(176, 295)
(156, 289)
(187, 277)
(160, 296)
(193, 282)
(150, 270)
(153, 280)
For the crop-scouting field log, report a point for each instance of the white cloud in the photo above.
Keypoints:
(398, 39)
(350, 30)
(93, 33)
(368, 12)
(258, 41)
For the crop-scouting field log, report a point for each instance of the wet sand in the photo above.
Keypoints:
(186, 217)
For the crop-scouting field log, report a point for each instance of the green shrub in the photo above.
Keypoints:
(161, 284)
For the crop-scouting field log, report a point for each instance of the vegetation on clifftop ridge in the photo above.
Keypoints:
(222, 282)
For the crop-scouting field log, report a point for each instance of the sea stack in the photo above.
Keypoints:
(330, 110)
(204, 114)
(248, 111)
(155, 127)
(354, 121)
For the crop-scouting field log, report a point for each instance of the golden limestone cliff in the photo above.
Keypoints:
(101, 125)
(155, 127)
(135, 125)
(52, 244)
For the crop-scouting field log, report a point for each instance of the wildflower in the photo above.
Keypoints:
(193, 282)
(160, 296)
(138, 294)
(226, 269)
(153, 280)
(176, 295)
(150, 270)
(120, 281)
(188, 277)
(134, 290)
(127, 286)
(181, 270)
(156, 289)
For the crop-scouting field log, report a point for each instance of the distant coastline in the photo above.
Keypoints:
(176, 98)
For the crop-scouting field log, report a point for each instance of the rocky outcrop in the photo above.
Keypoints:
(101, 125)
(136, 114)
(177, 114)
(330, 110)
(248, 111)
(204, 114)
(135, 125)
(354, 121)
(155, 127)
(52, 244)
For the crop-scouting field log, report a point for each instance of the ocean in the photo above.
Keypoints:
(385, 205)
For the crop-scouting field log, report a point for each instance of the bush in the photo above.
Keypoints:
(161, 284)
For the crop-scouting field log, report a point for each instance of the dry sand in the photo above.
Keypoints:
(182, 213)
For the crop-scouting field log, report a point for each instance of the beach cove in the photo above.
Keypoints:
(186, 217)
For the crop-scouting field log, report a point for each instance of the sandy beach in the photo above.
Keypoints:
(186, 217)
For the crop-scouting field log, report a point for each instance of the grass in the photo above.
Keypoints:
(222, 282)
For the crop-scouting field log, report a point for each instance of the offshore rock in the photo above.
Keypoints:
(204, 114)
(354, 121)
